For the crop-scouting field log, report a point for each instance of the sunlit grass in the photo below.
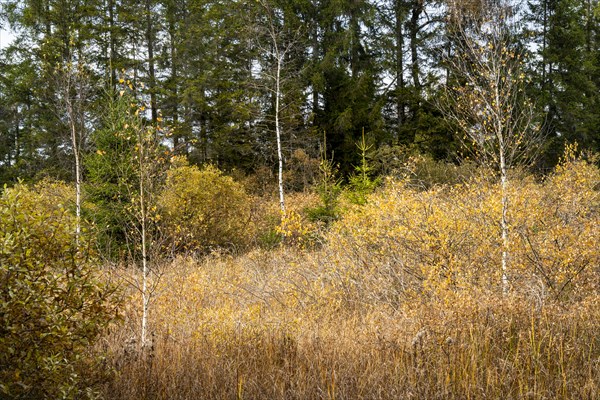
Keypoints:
(401, 300)
(266, 326)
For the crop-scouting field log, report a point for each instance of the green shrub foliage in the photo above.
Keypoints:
(329, 189)
(52, 303)
(112, 176)
(203, 209)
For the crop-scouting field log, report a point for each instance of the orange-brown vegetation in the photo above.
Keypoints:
(402, 300)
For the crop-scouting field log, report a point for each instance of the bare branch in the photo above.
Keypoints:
(486, 100)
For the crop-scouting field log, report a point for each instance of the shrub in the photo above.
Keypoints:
(302, 171)
(52, 303)
(557, 232)
(295, 230)
(270, 227)
(408, 242)
(53, 193)
(202, 208)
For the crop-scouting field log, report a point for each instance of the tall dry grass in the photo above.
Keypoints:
(401, 302)
(266, 326)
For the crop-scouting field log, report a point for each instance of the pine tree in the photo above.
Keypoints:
(565, 71)
(348, 75)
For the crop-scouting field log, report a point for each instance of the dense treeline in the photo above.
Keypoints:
(205, 69)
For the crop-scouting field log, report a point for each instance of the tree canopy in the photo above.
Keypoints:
(202, 69)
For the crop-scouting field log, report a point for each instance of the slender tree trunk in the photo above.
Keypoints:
(504, 222)
(203, 121)
(174, 79)
(112, 44)
(73, 85)
(145, 270)
(589, 26)
(315, 59)
(27, 150)
(544, 39)
(414, 30)
(355, 45)
(500, 137)
(75, 143)
(278, 129)
(17, 138)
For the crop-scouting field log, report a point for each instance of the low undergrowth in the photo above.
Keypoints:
(267, 327)
(401, 299)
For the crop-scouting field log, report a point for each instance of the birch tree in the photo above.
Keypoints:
(124, 173)
(143, 212)
(277, 44)
(485, 99)
(73, 96)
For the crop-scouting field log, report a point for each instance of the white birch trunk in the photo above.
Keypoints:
(278, 129)
(500, 135)
(504, 224)
(145, 296)
(75, 145)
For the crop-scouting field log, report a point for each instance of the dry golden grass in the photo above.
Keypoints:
(268, 326)
(386, 308)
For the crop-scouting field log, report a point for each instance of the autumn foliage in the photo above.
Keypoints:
(54, 303)
(403, 299)
(409, 242)
(204, 209)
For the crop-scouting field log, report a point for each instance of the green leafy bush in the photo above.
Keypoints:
(52, 303)
(202, 208)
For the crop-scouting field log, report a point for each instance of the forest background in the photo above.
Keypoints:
(205, 69)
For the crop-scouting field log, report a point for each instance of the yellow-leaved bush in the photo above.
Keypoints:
(203, 209)
(556, 233)
(54, 300)
(406, 243)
